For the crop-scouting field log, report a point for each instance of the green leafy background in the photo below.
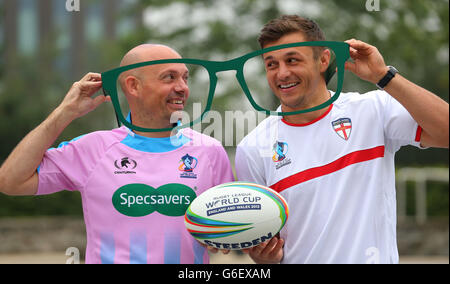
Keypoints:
(411, 34)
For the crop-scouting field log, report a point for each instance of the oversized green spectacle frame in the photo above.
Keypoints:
(340, 49)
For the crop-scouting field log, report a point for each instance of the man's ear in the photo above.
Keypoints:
(324, 60)
(327, 65)
(131, 86)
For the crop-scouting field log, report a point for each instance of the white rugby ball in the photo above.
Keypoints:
(236, 215)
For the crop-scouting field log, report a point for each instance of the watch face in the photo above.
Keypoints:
(393, 69)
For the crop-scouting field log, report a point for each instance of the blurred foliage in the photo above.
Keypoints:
(411, 34)
(437, 202)
(57, 204)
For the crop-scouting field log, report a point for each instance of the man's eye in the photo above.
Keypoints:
(270, 65)
(169, 77)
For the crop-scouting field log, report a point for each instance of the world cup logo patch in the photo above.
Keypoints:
(279, 151)
(187, 165)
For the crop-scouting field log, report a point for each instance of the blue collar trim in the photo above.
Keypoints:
(154, 145)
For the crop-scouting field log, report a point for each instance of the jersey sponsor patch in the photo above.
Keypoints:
(125, 165)
(343, 127)
(138, 200)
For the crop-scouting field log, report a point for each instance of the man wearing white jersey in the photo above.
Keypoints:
(335, 166)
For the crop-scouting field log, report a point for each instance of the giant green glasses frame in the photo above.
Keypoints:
(340, 49)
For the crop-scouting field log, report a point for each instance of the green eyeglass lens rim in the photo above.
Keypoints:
(340, 49)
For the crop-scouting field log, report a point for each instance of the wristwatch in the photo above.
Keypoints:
(387, 78)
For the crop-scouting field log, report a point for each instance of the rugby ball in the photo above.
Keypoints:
(236, 215)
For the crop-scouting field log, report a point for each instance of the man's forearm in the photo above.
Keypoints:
(427, 109)
(18, 173)
(19, 169)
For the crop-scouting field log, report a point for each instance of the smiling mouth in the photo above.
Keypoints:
(176, 102)
(288, 86)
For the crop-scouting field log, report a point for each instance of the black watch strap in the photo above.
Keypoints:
(387, 78)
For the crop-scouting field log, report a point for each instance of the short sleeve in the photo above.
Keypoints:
(68, 166)
(400, 129)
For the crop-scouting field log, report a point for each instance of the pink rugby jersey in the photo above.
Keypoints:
(135, 191)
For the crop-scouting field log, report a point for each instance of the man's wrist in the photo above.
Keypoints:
(61, 117)
(388, 76)
(381, 74)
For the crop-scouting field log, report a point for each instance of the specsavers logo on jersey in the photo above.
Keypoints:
(137, 200)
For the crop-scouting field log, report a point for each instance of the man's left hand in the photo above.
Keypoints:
(368, 64)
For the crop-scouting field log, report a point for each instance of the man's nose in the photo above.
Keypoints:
(283, 72)
(182, 87)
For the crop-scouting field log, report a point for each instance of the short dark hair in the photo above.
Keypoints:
(287, 24)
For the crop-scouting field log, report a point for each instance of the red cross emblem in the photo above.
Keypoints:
(343, 127)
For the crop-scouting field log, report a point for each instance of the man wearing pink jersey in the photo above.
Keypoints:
(135, 186)
(335, 165)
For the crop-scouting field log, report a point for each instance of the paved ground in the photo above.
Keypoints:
(20, 236)
(61, 258)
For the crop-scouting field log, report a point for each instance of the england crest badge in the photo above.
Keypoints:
(343, 127)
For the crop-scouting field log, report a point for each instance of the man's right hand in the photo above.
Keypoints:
(79, 101)
(18, 175)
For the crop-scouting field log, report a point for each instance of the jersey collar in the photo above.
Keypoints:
(311, 122)
(154, 145)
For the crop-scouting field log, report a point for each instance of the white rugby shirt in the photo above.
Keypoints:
(337, 174)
